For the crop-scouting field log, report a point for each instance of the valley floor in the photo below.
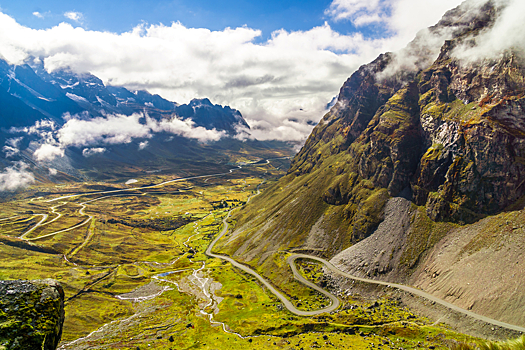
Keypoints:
(132, 261)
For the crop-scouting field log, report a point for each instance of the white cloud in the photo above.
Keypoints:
(507, 33)
(402, 18)
(143, 145)
(114, 129)
(419, 54)
(358, 10)
(185, 128)
(53, 171)
(11, 147)
(119, 129)
(88, 152)
(38, 14)
(74, 16)
(16, 177)
(40, 127)
(48, 152)
(289, 72)
(108, 130)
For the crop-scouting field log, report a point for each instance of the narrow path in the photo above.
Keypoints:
(418, 292)
(83, 204)
(89, 235)
(81, 212)
(284, 300)
(44, 218)
(335, 302)
(162, 183)
(12, 217)
(58, 215)
(143, 187)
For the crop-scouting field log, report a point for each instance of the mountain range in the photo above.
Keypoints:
(30, 94)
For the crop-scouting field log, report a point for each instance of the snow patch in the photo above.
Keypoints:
(76, 98)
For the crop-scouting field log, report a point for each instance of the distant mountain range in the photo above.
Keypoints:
(29, 94)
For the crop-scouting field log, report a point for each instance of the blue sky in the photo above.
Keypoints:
(121, 16)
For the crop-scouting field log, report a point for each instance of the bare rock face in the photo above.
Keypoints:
(472, 121)
(452, 132)
(31, 314)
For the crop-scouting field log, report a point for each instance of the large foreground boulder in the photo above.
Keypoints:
(31, 314)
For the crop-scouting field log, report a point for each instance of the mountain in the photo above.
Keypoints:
(26, 98)
(91, 93)
(30, 94)
(211, 116)
(138, 99)
(416, 175)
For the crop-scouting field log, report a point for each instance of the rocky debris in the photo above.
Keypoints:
(31, 314)
(380, 253)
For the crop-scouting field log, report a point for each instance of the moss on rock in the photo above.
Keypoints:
(31, 314)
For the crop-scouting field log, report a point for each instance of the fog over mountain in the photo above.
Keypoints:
(51, 118)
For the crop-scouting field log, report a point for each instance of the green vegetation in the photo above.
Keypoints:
(513, 344)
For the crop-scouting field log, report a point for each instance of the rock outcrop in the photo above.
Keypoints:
(31, 314)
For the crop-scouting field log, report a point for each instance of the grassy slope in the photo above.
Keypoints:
(108, 259)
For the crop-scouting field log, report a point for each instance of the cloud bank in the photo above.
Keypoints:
(290, 76)
(100, 131)
(15, 177)
(402, 18)
(508, 33)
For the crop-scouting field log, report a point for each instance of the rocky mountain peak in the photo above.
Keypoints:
(197, 102)
(442, 130)
(445, 132)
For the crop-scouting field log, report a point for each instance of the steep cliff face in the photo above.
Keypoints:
(31, 314)
(451, 132)
(446, 134)
(472, 121)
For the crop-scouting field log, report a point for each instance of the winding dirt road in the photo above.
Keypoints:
(335, 302)
(284, 300)
(418, 292)
(40, 223)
